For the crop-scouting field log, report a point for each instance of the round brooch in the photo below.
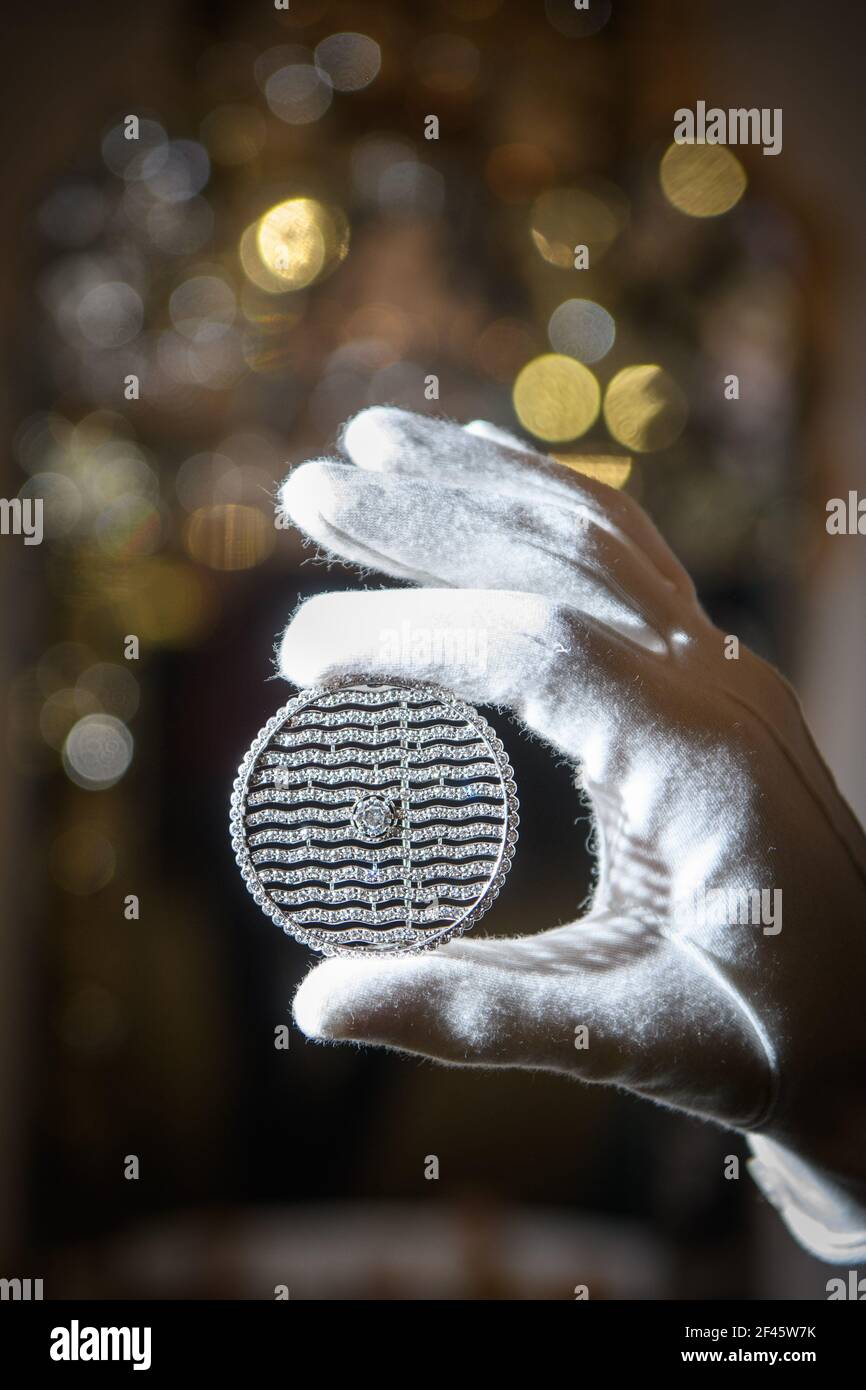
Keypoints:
(375, 817)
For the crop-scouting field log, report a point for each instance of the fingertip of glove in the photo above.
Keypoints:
(328, 1005)
(309, 1005)
(309, 492)
(373, 436)
(306, 649)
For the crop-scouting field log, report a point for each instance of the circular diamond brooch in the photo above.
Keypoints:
(371, 818)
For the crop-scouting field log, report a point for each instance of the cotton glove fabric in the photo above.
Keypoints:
(704, 783)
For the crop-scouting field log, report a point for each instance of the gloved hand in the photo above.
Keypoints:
(704, 783)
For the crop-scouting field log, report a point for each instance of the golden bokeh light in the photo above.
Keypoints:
(565, 218)
(163, 600)
(556, 398)
(604, 468)
(254, 269)
(702, 180)
(293, 244)
(229, 537)
(644, 408)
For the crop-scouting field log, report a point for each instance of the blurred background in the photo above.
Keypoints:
(189, 312)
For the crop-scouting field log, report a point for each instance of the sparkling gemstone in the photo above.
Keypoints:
(372, 816)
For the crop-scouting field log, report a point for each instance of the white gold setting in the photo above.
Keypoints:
(375, 817)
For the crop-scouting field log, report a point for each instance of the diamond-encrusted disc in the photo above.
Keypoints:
(369, 818)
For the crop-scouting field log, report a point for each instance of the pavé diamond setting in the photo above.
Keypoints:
(375, 817)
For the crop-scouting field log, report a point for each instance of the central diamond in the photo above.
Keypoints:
(372, 815)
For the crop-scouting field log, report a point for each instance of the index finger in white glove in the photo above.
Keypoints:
(416, 528)
(389, 440)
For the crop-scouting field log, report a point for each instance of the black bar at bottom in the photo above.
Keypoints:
(164, 1340)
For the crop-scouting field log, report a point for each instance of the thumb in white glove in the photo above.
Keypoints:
(705, 786)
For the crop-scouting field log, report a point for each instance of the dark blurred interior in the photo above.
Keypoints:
(154, 1036)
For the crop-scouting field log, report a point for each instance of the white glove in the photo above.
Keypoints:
(703, 779)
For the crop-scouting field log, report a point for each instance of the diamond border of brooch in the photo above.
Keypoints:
(401, 940)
